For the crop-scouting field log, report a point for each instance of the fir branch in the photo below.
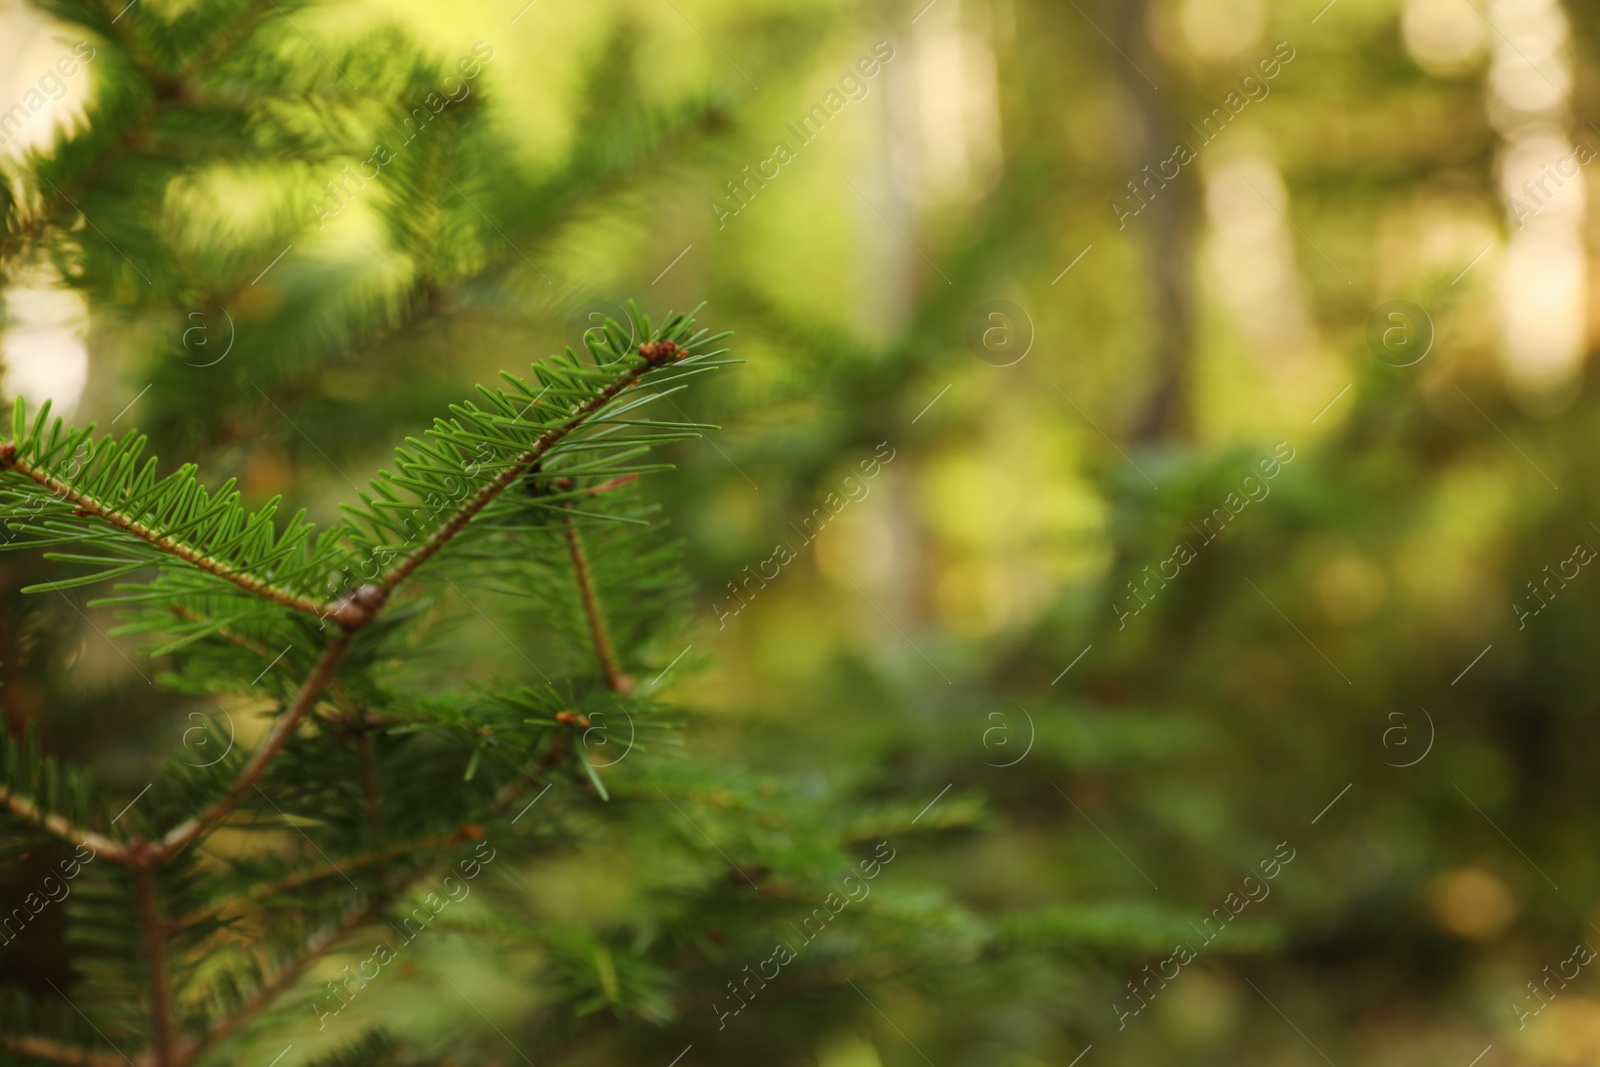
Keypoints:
(59, 1052)
(581, 432)
(215, 561)
(507, 478)
(229, 37)
(319, 678)
(502, 802)
(83, 503)
(62, 827)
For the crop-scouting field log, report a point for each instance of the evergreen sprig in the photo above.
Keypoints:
(66, 474)
(524, 477)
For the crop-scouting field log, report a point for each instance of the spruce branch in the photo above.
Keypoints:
(107, 482)
(230, 579)
(88, 505)
(229, 37)
(286, 975)
(62, 827)
(523, 463)
(181, 528)
(46, 1048)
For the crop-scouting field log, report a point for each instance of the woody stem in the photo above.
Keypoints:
(153, 927)
(615, 680)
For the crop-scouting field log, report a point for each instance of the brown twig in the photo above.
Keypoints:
(153, 927)
(275, 986)
(614, 483)
(60, 1052)
(315, 874)
(227, 632)
(615, 679)
(185, 832)
(62, 827)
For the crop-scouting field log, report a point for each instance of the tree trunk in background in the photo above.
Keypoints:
(1164, 228)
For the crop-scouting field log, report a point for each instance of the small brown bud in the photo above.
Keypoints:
(359, 608)
(659, 351)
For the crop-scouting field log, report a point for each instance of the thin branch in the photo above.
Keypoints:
(512, 791)
(223, 42)
(153, 929)
(282, 730)
(280, 982)
(285, 978)
(502, 802)
(316, 874)
(508, 477)
(62, 827)
(317, 947)
(363, 736)
(349, 722)
(615, 679)
(275, 986)
(46, 1049)
(86, 504)
(615, 483)
(227, 632)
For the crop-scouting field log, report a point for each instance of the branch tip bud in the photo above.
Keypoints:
(356, 610)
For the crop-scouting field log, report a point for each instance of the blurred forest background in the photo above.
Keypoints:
(1079, 283)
